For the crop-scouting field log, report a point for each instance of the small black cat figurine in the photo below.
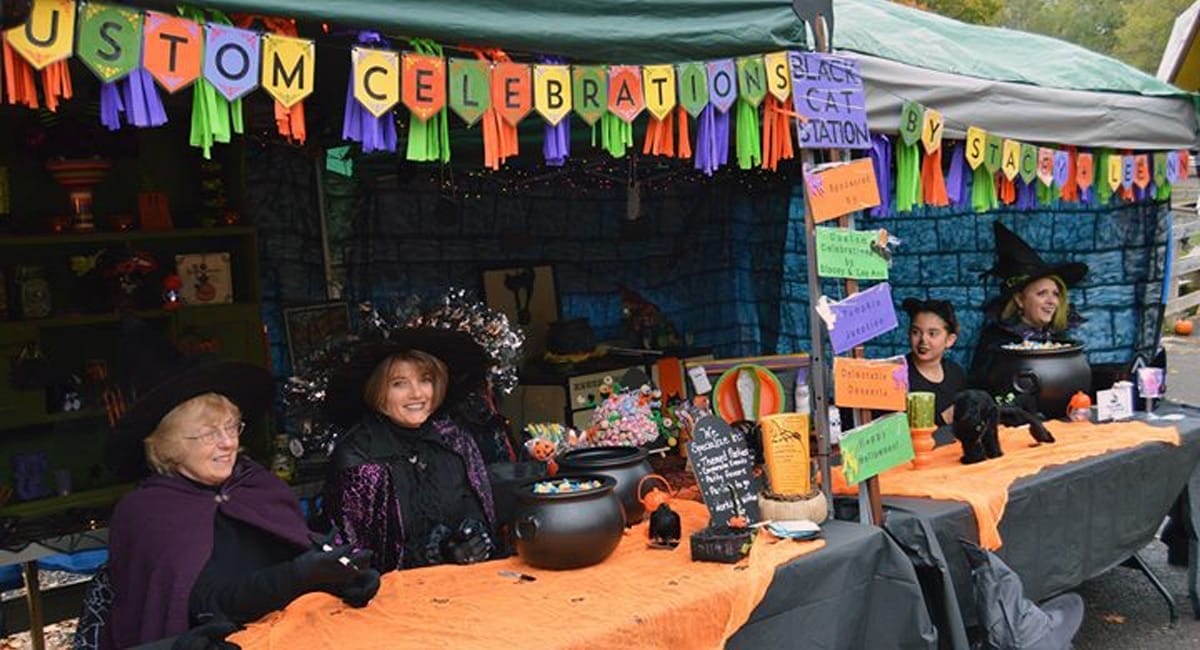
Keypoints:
(665, 527)
(976, 418)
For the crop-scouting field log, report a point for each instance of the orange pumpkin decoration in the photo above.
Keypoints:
(1183, 327)
(1079, 400)
(655, 497)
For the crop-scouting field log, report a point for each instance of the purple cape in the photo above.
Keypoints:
(161, 536)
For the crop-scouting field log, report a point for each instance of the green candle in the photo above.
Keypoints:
(920, 410)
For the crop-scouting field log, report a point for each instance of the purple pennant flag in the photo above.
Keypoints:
(1172, 167)
(881, 160)
(358, 124)
(956, 180)
(556, 138)
(136, 96)
(1127, 165)
(1027, 198)
(231, 60)
(861, 317)
(1062, 167)
(712, 140)
(722, 84)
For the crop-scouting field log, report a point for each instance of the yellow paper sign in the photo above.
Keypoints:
(658, 83)
(786, 453)
(1115, 171)
(841, 189)
(48, 35)
(552, 92)
(870, 383)
(288, 68)
(931, 130)
(779, 75)
(376, 79)
(976, 146)
(1010, 163)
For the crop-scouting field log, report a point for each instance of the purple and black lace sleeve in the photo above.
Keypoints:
(362, 504)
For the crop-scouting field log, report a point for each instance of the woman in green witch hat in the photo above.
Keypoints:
(1033, 304)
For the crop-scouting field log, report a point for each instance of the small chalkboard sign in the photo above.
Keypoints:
(720, 459)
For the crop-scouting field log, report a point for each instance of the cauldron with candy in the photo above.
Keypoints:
(567, 522)
(1049, 372)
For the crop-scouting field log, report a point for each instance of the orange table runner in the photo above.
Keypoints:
(637, 597)
(985, 485)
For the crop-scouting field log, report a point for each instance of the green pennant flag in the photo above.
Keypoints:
(470, 88)
(752, 79)
(1028, 162)
(110, 39)
(589, 92)
(912, 120)
(1160, 168)
(693, 87)
(993, 153)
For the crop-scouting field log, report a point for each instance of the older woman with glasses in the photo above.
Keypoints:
(212, 539)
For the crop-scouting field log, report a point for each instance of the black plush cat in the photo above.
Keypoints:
(976, 418)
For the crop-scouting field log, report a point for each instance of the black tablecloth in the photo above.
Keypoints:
(1062, 526)
(860, 591)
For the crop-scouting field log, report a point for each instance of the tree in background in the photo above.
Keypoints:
(1134, 31)
(1143, 37)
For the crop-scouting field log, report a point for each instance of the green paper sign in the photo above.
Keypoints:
(1160, 168)
(993, 153)
(846, 253)
(1028, 162)
(110, 39)
(752, 79)
(876, 447)
(589, 91)
(470, 88)
(912, 121)
(693, 87)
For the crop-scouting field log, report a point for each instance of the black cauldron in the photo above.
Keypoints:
(568, 530)
(1052, 375)
(626, 465)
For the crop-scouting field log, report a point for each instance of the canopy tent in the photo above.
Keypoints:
(1023, 85)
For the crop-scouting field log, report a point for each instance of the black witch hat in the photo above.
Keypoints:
(1017, 265)
(164, 378)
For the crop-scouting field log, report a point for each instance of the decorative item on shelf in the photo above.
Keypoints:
(171, 297)
(29, 475)
(154, 211)
(127, 270)
(121, 222)
(283, 464)
(206, 278)
(921, 425)
(79, 177)
(748, 392)
(33, 291)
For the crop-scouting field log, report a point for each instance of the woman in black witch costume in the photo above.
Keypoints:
(211, 539)
(1033, 304)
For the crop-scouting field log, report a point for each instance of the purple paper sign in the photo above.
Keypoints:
(862, 317)
(1062, 167)
(231, 60)
(827, 91)
(722, 84)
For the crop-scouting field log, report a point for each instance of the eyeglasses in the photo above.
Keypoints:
(232, 430)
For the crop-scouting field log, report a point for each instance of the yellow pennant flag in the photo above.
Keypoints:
(552, 92)
(779, 75)
(658, 84)
(48, 35)
(976, 146)
(376, 76)
(1010, 164)
(1116, 169)
(931, 130)
(288, 66)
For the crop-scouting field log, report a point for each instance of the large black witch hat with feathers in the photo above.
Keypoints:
(1017, 265)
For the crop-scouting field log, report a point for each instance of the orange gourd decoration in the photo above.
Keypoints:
(1183, 327)
(1079, 400)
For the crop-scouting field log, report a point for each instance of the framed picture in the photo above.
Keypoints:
(311, 326)
(207, 278)
(529, 297)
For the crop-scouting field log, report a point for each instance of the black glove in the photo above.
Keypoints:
(361, 589)
(469, 544)
(336, 566)
(210, 636)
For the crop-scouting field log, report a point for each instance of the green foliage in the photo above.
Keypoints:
(979, 12)
(1090, 23)
(1143, 37)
